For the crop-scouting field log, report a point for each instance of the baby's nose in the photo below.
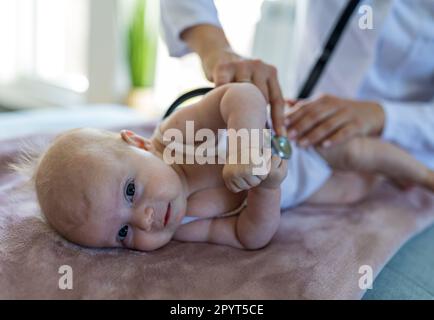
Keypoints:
(146, 219)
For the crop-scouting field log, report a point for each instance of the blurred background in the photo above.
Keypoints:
(66, 55)
(57, 53)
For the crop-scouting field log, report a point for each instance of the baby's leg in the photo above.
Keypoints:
(344, 188)
(374, 156)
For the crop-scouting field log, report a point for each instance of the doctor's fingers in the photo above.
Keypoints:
(224, 73)
(324, 130)
(301, 107)
(243, 71)
(277, 104)
(260, 80)
(308, 116)
(265, 77)
(233, 71)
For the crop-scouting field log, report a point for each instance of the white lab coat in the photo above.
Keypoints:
(402, 77)
(314, 21)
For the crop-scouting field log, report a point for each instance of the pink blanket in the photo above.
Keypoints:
(316, 253)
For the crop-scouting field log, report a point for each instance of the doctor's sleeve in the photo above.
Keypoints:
(401, 77)
(178, 15)
(409, 124)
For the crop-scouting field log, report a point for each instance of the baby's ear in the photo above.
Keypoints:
(136, 140)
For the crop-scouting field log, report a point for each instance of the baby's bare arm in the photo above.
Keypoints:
(259, 221)
(252, 229)
(235, 105)
(256, 224)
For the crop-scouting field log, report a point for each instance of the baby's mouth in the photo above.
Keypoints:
(167, 216)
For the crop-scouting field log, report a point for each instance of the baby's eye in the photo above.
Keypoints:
(130, 190)
(123, 232)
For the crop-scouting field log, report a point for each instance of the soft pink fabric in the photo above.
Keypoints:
(315, 255)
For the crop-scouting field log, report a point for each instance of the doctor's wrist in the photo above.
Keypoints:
(204, 39)
(216, 61)
(378, 119)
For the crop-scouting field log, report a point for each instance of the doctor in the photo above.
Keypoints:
(379, 82)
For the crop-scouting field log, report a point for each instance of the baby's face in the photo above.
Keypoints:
(130, 198)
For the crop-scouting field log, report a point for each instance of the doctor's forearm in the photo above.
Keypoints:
(409, 124)
(205, 39)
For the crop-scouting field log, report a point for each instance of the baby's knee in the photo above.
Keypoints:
(353, 153)
(344, 188)
(348, 155)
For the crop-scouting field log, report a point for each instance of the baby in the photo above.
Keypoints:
(103, 189)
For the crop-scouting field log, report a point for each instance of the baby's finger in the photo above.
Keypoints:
(275, 161)
(240, 184)
(232, 188)
(266, 170)
(253, 181)
(283, 168)
(283, 165)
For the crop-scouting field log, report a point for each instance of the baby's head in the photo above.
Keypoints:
(102, 189)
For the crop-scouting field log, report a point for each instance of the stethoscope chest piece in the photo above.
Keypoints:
(281, 147)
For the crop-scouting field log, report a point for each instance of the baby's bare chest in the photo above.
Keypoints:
(212, 198)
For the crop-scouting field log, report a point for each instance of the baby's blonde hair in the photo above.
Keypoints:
(26, 163)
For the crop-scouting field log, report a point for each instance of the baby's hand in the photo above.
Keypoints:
(240, 177)
(278, 172)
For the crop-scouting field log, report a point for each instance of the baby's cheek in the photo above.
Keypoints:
(167, 183)
(151, 241)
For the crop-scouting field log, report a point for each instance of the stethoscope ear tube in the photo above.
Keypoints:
(280, 145)
(186, 96)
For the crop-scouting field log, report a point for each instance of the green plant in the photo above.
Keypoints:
(142, 43)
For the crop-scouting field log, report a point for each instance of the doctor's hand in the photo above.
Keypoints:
(330, 120)
(222, 65)
(225, 66)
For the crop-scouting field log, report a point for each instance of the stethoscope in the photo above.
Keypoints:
(280, 145)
